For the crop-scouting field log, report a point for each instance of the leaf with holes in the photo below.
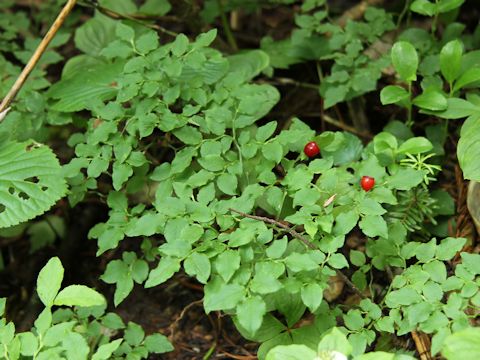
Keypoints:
(31, 181)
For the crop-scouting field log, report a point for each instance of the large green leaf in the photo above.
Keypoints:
(78, 92)
(95, 34)
(248, 64)
(468, 149)
(31, 181)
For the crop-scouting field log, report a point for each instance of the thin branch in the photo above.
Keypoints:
(303, 240)
(117, 16)
(37, 55)
(279, 224)
(340, 125)
(174, 325)
(226, 27)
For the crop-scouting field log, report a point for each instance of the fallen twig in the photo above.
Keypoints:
(303, 240)
(36, 56)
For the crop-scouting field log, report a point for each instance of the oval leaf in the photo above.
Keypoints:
(49, 281)
(451, 60)
(79, 295)
(405, 60)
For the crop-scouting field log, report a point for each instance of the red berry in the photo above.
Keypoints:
(311, 149)
(367, 183)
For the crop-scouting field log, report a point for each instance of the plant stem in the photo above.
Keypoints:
(409, 107)
(304, 240)
(404, 11)
(62, 16)
(228, 33)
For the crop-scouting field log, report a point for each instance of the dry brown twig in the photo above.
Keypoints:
(174, 325)
(4, 106)
(303, 240)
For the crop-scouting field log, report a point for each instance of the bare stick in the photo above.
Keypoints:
(303, 240)
(37, 55)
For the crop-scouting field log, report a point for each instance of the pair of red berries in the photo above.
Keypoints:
(312, 149)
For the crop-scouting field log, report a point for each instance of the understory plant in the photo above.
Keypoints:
(177, 140)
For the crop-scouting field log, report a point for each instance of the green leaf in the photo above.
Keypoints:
(227, 263)
(205, 39)
(464, 344)
(264, 132)
(451, 60)
(179, 45)
(227, 183)
(449, 5)
(124, 32)
(457, 108)
(404, 296)
(29, 343)
(370, 207)
(405, 60)
(134, 334)
(120, 174)
(79, 295)
(3, 301)
(416, 145)
(49, 281)
(291, 352)
(277, 248)
(357, 258)
(198, 264)
(312, 296)
(75, 346)
(221, 296)
(423, 7)
(472, 75)
(471, 262)
(86, 87)
(337, 261)
(250, 313)
(158, 344)
(354, 320)
(155, 7)
(31, 181)
(431, 100)
(374, 225)
(468, 149)
(393, 94)
(164, 271)
(297, 262)
(448, 247)
(405, 179)
(105, 351)
(248, 64)
(345, 222)
(118, 272)
(94, 35)
(335, 340)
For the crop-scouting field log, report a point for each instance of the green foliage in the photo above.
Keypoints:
(78, 333)
(176, 138)
(31, 181)
(435, 101)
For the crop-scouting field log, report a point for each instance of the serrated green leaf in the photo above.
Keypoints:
(31, 181)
